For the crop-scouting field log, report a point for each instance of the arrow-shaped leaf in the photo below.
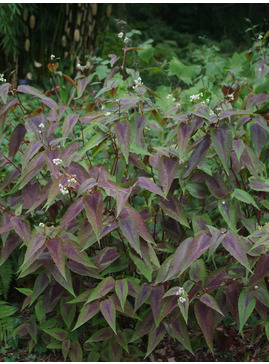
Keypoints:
(109, 312)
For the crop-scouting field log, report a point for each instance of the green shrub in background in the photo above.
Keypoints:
(130, 212)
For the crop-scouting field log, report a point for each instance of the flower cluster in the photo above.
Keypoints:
(169, 96)
(52, 57)
(57, 161)
(181, 293)
(71, 181)
(41, 126)
(2, 79)
(120, 35)
(196, 97)
(260, 37)
(108, 113)
(231, 97)
(138, 83)
(126, 40)
(63, 189)
(41, 224)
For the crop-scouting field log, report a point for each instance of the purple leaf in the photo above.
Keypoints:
(172, 208)
(56, 249)
(11, 243)
(130, 232)
(73, 251)
(4, 89)
(30, 193)
(236, 247)
(258, 137)
(22, 228)
(149, 185)
(88, 311)
(65, 348)
(15, 140)
(102, 289)
(105, 258)
(156, 334)
(68, 311)
(167, 170)
(32, 91)
(232, 296)
(210, 302)
(94, 206)
(58, 334)
(123, 134)
(196, 248)
(198, 154)
(165, 270)
(65, 281)
(143, 327)
(261, 184)
(206, 320)
(121, 289)
(138, 127)
(156, 301)
(261, 269)
(184, 133)
(178, 330)
(142, 228)
(78, 170)
(108, 311)
(32, 169)
(81, 86)
(75, 352)
(71, 213)
(173, 267)
(8, 106)
(251, 161)
(216, 240)
(69, 123)
(142, 296)
(100, 335)
(217, 186)
(168, 306)
(88, 184)
(222, 142)
(41, 283)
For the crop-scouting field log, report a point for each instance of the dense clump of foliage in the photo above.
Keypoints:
(130, 212)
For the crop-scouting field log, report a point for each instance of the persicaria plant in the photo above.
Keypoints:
(129, 215)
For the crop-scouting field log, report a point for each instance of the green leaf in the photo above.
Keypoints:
(121, 289)
(246, 305)
(244, 197)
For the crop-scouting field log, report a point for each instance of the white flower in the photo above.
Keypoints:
(41, 224)
(180, 291)
(72, 181)
(64, 190)
(182, 299)
(260, 37)
(2, 79)
(196, 97)
(168, 96)
(126, 40)
(41, 126)
(52, 57)
(120, 35)
(203, 103)
(231, 97)
(211, 112)
(57, 161)
(218, 109)
(178, 105)
(107, 113)
(138, 82)
(223, 202)
(256, 287)
(207, 101)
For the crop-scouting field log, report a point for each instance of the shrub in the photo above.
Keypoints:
(136, 213)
